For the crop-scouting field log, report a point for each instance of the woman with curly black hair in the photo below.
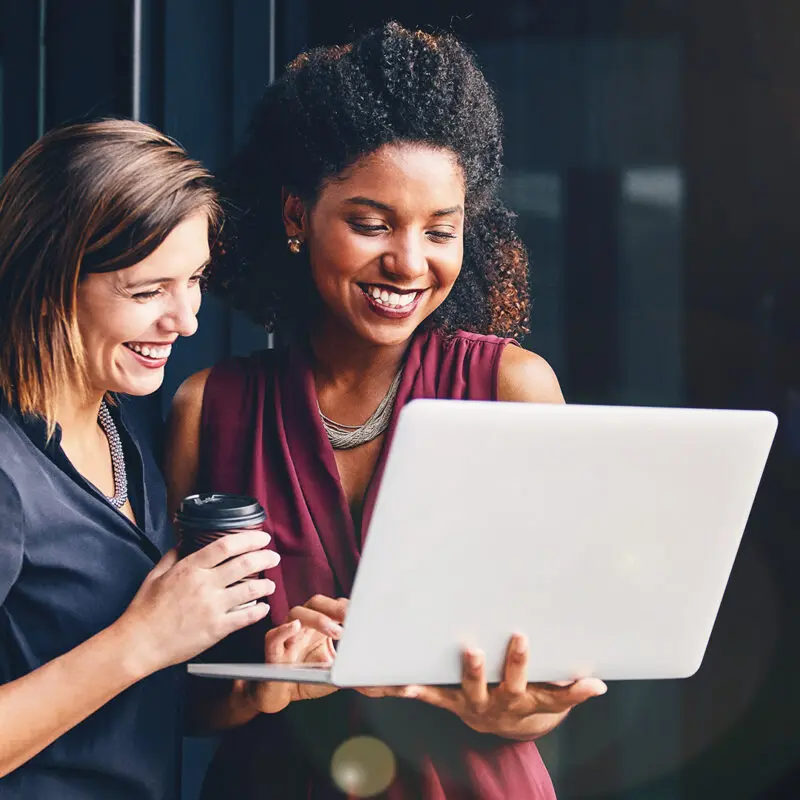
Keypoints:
(366, 230)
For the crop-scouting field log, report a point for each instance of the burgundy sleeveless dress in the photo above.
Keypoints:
(262, 436)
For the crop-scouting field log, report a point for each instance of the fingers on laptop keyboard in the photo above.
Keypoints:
(323, 614)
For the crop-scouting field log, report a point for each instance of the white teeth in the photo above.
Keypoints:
(155, 353)
(391, 299)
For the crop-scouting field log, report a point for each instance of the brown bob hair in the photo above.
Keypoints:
(90, 197)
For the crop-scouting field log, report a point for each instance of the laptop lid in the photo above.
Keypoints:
(605, 534)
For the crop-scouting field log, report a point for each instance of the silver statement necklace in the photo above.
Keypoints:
(106, 422)
(346, 437)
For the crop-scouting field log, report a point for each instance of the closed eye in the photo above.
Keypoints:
(147, 295)
(441, 235)
(153, 293)
(369, 230)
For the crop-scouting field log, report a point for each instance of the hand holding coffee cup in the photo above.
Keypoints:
(185, 606)
(204, 518)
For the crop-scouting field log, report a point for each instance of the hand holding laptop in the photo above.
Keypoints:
(513, 709)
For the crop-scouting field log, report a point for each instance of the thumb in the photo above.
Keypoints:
(586, 688)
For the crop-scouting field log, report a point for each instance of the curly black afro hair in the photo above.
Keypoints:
(336, 104)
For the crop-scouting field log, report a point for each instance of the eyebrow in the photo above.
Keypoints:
(366, 201)
(443, 212)
(152, 281)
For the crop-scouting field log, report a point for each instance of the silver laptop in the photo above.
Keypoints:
(605, 534)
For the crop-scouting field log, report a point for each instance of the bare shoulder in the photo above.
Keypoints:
(525, 377)
(188, 400)
(182, 451)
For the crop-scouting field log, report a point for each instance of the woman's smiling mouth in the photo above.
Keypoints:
(389, 302)
(150, 354)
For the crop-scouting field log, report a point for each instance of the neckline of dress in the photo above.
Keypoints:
(328, 454)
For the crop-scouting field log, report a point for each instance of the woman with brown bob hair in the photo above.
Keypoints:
(368, 228)
(104, 237)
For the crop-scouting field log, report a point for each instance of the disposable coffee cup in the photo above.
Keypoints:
(203, 518)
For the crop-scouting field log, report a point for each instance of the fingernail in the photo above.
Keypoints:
(520, 646)
(334, 630)
(474, 660)
(411, 691)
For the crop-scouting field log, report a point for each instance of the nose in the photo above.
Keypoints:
(182, 316)
(406, 259)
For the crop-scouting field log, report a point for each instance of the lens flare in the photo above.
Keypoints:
(363, 766)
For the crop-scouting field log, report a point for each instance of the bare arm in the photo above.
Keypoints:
(182, 452)
(211, 705)
(525, 377)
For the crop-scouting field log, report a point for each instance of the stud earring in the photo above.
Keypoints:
(294, 244)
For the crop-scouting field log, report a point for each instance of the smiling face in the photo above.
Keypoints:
(129, 318)
(385, 240)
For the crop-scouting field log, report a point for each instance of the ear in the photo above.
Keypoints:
(295, 217)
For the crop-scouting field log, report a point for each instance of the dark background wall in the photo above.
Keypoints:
(652, 153)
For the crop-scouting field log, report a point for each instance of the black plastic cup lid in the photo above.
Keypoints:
(219, 512)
